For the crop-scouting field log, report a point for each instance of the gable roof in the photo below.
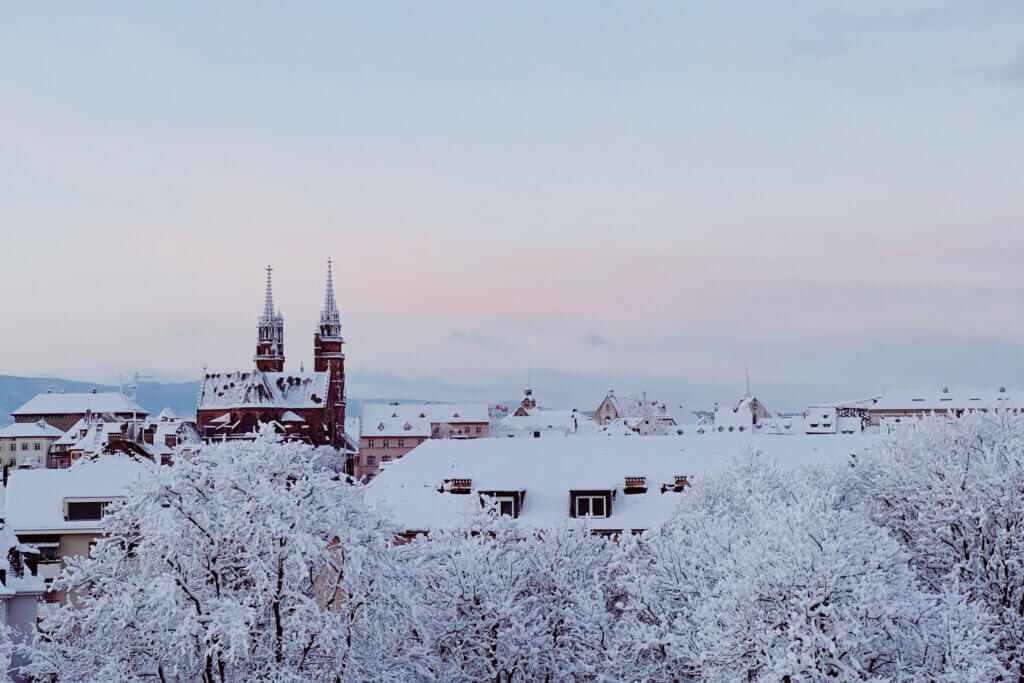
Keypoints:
(60, 403)
(548, 469)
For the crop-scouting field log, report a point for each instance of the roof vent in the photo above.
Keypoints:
(457, 486)
(945, 390)
(635, 485)
(1002, 390)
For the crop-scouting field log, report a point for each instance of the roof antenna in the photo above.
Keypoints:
(747, 370)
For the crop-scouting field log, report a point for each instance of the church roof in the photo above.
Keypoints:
(256, 389)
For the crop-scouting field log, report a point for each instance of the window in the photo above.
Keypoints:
(35, 446)
(386, 458)
(371, 460)
(478, 429)
(86, 510)
(401, 443)
(384, 443)
(24, 445)
(507, 503)
(590, 506)
(369, 443)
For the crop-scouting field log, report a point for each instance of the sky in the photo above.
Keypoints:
(645, 195)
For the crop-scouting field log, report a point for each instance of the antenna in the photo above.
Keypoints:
(747, 370)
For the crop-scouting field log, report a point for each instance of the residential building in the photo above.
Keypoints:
(158, 440)
(389, 431)
(618, 483)
(306, 406)
(26, 444)
(533, 422)
(638, 414)
(892, 407)
(60, 510)
(62, 410)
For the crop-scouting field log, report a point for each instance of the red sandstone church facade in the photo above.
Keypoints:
(306, 406)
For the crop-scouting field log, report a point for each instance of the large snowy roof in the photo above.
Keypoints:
(944, 399)
(52, 403)
(414, 419)
(30, 429)
(547, 469)
(548, 420)
(263, 389)
(35, 498)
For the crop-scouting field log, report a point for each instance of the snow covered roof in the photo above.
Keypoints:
(35, 498)
(943, 399)
(263, 389)
(97, 433)
(53, 403)
(37, 429)
(289, 416)
(548, 469)
(415, 419)
(539, 419)
(166, 415)
(352, 425)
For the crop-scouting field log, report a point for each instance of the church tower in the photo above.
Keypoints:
(327, 356)
(270, 336)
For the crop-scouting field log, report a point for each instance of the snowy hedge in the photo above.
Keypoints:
(251, 562)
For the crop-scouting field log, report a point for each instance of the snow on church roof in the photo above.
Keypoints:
(54, 403)
(548, 469)
(266, 389)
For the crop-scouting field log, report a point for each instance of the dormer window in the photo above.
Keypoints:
(590, 504)
(85, 509)
(507, 503)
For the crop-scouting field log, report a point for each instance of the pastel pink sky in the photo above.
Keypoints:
(666, 195)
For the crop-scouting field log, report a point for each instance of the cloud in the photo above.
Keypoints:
(480, 340)
(596, 340)
(1011, 73)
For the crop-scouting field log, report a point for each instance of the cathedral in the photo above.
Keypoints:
(305, 406)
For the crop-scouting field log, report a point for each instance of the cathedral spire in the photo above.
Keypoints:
(330, 317)
(270, 335)
(268, 305)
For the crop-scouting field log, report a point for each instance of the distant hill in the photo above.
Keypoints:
(153, 396)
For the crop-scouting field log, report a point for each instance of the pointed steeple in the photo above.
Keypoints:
(268, 305)
(330, 317)
(270, 335)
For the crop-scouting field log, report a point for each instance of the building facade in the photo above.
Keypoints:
(389, 431)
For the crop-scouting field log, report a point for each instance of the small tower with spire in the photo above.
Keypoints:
(328, 356)
(270, 335)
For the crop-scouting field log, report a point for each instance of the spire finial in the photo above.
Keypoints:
(268, 305)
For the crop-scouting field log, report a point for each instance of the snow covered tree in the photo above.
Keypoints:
(243, 563)
(503, 603)
(761, 575)
(952, 492)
